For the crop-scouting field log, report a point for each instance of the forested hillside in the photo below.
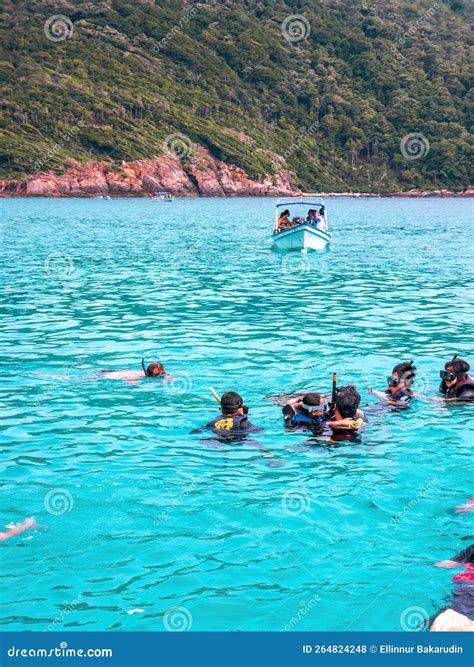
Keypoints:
(331, 86)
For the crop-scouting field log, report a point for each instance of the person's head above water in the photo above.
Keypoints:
(453, 370)
(347, 402)
(232, 404)
(403, 376)
(313, 404)
(153, 370)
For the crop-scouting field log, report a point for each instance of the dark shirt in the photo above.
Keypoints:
(236, 426)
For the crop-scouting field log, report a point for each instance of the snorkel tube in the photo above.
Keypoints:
(332, 404)
(215, 394)
(144, 367)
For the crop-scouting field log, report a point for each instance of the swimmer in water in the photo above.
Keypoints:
(456, 384)
(460, 610)
(17, 530)
(305, 413)
(399, 390)
(346, 418)
(466, 508)
(233, 422)
(153, 370)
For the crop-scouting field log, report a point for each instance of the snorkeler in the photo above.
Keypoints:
(399, 390)
(307, 412)
(153, 370)
(345, 417)
(456, 384)
(461, 608)
(233, 421)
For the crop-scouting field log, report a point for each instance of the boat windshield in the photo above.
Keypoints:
(292, 214)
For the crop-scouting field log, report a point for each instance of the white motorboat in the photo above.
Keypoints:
(162, 196)
(301, 224)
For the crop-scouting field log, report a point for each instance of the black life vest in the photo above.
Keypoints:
(404, 395)
(236, 425)
(299, 419)
(463, 389)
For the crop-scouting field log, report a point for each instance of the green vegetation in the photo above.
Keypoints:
(336, 104)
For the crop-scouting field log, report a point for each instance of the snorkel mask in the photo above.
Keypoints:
(230, 406)
(448, 376)
(322, 407)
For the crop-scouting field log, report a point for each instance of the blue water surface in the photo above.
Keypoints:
(276, 533)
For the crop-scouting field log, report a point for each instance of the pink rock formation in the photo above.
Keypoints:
(199, 174)
(202, 175)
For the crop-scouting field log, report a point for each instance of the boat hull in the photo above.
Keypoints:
(302, 237)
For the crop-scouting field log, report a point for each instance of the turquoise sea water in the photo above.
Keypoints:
(138, 513)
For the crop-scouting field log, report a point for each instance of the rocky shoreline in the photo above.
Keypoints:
(199, 175)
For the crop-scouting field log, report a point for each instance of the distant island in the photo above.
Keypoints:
(236, 98)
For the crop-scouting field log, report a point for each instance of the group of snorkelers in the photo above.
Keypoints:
(339, 416)
(314, 218)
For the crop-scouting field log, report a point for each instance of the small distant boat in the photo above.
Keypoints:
(301, 230)
(102, 197)
(162, 196)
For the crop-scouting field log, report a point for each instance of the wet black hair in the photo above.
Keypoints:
(231, 401)
(285, 212)
(406, 371)
(312, 398)
(459, 365)
(347, 400)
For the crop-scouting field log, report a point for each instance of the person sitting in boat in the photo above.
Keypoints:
(153, 370)
(346, 418)
(311, 217)
(399, 391)
(233, 422)
(284, 221)
(456, 384)
(304, 413)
